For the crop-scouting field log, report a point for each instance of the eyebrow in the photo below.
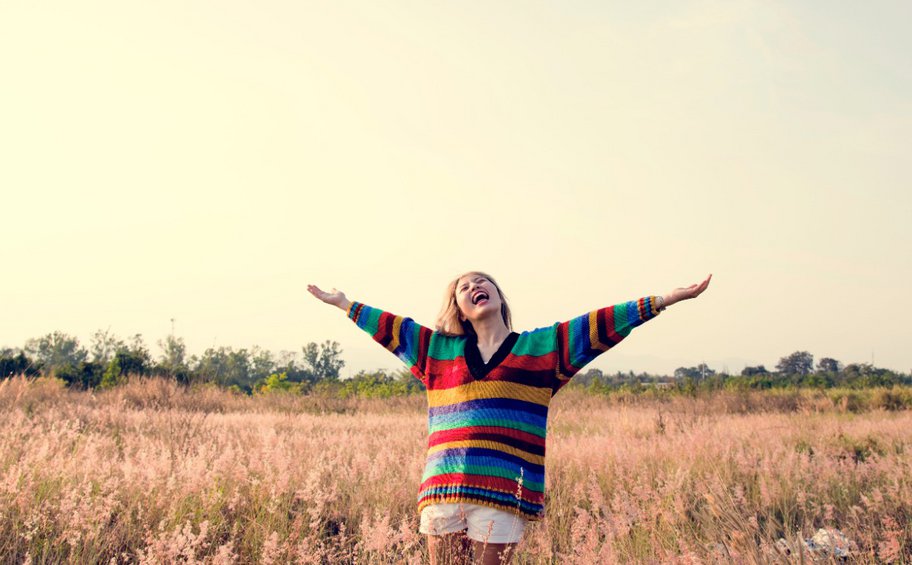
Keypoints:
(475, 279)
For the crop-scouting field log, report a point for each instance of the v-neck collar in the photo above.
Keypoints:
(479, 368)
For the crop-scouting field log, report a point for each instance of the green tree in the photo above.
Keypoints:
(798, 363)
(262, 364)
(129, 359)
(589, 378)
(323, 361)
(173, 362)
(752, 371)
(134, 358)
(55, 351)
(277, 382)
(701, 371)
(15, 362)
(682, 373)
(113, 374)
(104, 345)
(226, 367)
(828, 365)
(405, 378)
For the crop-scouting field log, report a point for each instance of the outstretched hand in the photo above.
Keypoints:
(687, 293)
(335, 297)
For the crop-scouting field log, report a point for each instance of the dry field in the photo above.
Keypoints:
(152, 474)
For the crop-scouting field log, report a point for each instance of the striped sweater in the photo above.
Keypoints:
(487, 421)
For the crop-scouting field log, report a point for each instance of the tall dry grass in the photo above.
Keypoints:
(152, 473)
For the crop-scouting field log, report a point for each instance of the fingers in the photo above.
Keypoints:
(701, 287)
(315, 290)
(694, 290)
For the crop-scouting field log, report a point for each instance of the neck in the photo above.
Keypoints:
(490, 331)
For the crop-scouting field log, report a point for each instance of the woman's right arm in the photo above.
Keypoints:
(403, 337)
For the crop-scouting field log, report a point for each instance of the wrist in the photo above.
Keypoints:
(345, 305)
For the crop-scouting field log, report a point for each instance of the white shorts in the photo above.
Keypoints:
(483, 523)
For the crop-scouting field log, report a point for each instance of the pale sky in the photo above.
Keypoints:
(204, 161)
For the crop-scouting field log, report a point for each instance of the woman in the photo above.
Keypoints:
(488, 394)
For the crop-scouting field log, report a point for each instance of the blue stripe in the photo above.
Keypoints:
(579, 341)
(507, 499)
(465, 452)
(494, 404)
(527, 471)
(460, 416)
(408, 342)
(633, 316)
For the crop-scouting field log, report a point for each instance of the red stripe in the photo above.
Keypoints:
(450, 374)
(473, 499)
(454, 373)
(384, 329)
(565, 347)
(482, 481)
(460, 434)
(424, 336)
(529, 362)
(609, 324)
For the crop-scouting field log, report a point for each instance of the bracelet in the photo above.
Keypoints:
(660, 302)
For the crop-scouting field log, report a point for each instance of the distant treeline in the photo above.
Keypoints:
(109, 360)
(689, 380)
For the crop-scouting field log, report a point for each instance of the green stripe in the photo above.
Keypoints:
(483, 470)
(446, 348)
(621, 326)
(369, 320)
(537, 342)
(469, 422)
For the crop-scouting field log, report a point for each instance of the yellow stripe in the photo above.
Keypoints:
(593, 332)
(489, 389)
(480, 484)
(394, 343)
(487, 444)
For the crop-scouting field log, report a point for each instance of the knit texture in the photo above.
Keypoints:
(487, 430)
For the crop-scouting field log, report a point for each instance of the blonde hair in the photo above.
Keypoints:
(448, 322)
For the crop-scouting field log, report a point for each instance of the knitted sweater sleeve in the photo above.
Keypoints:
(585, 337)
(403, 337)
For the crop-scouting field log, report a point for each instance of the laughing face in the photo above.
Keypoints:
(477, 297)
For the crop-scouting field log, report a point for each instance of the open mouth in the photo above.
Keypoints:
(479, 297)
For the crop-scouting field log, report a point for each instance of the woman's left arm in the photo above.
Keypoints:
(585, 337)
(685, 293)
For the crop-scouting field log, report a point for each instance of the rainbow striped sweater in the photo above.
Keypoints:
(487, 421)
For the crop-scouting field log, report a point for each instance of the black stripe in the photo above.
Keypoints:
(540, 379)
(561, 341)
(386, 325)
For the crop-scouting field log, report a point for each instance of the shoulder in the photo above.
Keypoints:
(445, 347)
(539, 341)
